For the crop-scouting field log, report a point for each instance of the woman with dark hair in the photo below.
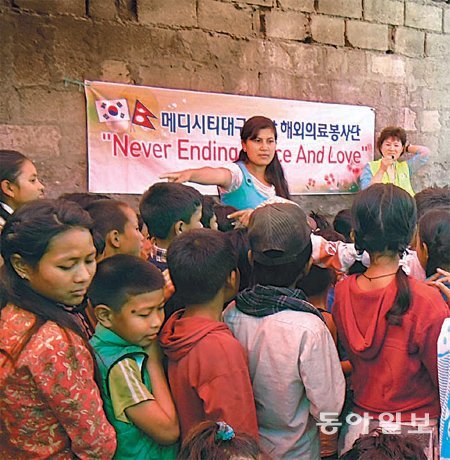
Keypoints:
(50, 405)
(388, 169)
(19, 183)
(256, 175)
(387, 322)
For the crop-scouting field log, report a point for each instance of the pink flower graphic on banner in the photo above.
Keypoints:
(330, 179)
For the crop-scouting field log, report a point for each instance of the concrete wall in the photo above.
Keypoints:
(392, 55)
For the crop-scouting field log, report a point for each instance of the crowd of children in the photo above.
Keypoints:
(219, 340)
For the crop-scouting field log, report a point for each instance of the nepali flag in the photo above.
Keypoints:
(112, 110)
(142, 115)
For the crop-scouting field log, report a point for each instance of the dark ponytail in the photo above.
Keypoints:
(402, 299)
(384, 219)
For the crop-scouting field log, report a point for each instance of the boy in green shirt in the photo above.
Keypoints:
(127, 293)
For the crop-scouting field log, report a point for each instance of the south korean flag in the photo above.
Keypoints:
(113, 110)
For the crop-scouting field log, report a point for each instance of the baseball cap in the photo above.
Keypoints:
(278, 233)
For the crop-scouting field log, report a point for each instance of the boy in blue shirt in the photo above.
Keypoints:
(127, 293)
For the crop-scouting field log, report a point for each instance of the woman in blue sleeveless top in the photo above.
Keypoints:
(257, 174)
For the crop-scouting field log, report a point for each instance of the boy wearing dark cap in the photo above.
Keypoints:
(293, 362)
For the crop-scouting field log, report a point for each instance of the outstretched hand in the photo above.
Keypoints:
(438, 280)
(242, 216)
(177, 176)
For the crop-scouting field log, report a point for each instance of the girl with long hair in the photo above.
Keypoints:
(388, 322)
(50, 404)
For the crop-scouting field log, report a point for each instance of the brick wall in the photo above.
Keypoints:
(392, 55)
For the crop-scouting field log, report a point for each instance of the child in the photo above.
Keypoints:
(432, 197)
(433, 240)
(84, 199)
(116, 224)
(218, 441)
(320, 220)
(241, 246)
(388, 322)
(426, 200)
(316, 285)
(385, 446)
(127, 293)
(50, 405)
(208, 371)
(19, 183)
(224, 222)
(293, 361)
(256, 175)
(342, 224)
(168, 210)
(209, 218)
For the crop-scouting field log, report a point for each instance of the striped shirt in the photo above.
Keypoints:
(127, 387)
(444, 387)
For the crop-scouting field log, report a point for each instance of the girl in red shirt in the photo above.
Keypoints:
(389, 323)
(50, 405)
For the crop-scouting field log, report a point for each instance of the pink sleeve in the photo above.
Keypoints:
(63, 372)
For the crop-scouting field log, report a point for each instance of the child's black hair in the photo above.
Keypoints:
(383, 446)
(84, 199)
(200, 262)
(108, 215)
(317, 281)
(432, 197)
(384, 219)
(330, 235)
(241, 245)
(222, 211)
(434, 231)
(204, 443)
(342, 223)
(166, 203)
(320, 220)
(208, 203)
(120, 277)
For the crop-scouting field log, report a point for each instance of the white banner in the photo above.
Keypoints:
(137, 133)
